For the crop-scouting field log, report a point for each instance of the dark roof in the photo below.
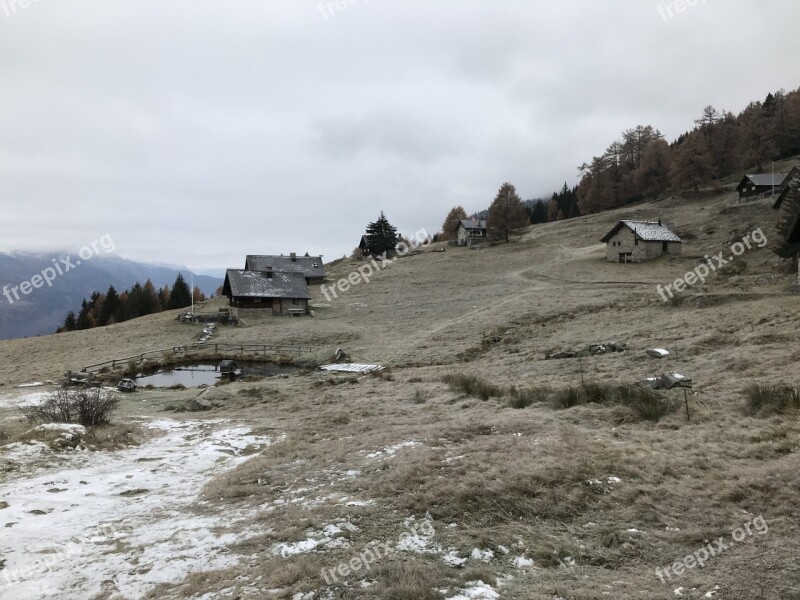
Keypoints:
(257, 284)
(649, 231)
(309, 266)
(763, 180)
(472, 224)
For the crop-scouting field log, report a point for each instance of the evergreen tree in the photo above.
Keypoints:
(507, 214)
(84, 320)
(450, 225)
(111, 307)
(133, 304)
(538, 213)
(381, 237)
(69, 322)
(180, 295)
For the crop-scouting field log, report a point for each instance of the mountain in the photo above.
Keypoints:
(43, 309)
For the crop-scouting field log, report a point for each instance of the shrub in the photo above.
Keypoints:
(472, 385)
(526, 397)
(769, 398)
(648, 404)
(89, 407)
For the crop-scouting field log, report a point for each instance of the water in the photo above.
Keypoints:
(192, 376)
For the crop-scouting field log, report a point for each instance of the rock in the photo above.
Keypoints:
(3, 504)
(198, 404)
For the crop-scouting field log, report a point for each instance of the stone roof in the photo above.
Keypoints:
(649, 231)
(258, 284)
(309, 266)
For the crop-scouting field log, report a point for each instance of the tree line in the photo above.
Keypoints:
(141, 300)
(641, 164)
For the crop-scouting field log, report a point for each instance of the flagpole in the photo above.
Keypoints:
(191, 289)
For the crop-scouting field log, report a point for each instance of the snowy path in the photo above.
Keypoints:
(118, 521)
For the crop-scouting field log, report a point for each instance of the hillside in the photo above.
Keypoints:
(474, 498)
(42, 311)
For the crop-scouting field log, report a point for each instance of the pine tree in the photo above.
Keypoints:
(69, 322)
(111, 306)
(507, 214)
(84, 320)
(133, 305)
(450, 225)
(180, 295)
(381, 237)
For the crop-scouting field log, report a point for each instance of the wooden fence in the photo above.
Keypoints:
(217, 348)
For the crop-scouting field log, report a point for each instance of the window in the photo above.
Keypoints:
(295, 302)
(636, 241)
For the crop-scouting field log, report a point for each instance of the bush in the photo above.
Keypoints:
(770, 398)
(526, 397)
(89, 407)
(642, 400)
(472, 385)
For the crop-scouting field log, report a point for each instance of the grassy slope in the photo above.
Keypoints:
(516, 478)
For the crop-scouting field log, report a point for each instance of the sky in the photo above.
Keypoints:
(194, 132)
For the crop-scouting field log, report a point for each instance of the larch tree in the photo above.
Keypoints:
(692, 164)
(450, 225)
(507, 214)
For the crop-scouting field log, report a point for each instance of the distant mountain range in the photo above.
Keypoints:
(42, 310)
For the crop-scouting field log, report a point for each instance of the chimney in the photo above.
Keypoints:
(659, 220)
(269, 272)
(294, 256)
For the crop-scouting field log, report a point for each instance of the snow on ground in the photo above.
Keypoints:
(120, 521)
(477, 590)
(389, 451)
(16, 400)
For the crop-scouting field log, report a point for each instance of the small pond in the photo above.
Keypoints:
(192, 376)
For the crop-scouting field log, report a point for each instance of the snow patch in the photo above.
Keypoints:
(122, 521)
(478, 590)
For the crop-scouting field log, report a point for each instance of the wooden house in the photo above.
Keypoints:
(471, 231)
(311, 267)
(282, 293)
(758, 184)
(639, 241)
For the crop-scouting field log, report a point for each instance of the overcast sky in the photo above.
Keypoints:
(196, 131)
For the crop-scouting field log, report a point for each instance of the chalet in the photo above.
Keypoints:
(471, 231)
(758, 184)
(363, 246)
(638, 241)
(283, 293)
(310, 267)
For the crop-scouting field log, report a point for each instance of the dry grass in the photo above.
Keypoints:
(599, 483)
